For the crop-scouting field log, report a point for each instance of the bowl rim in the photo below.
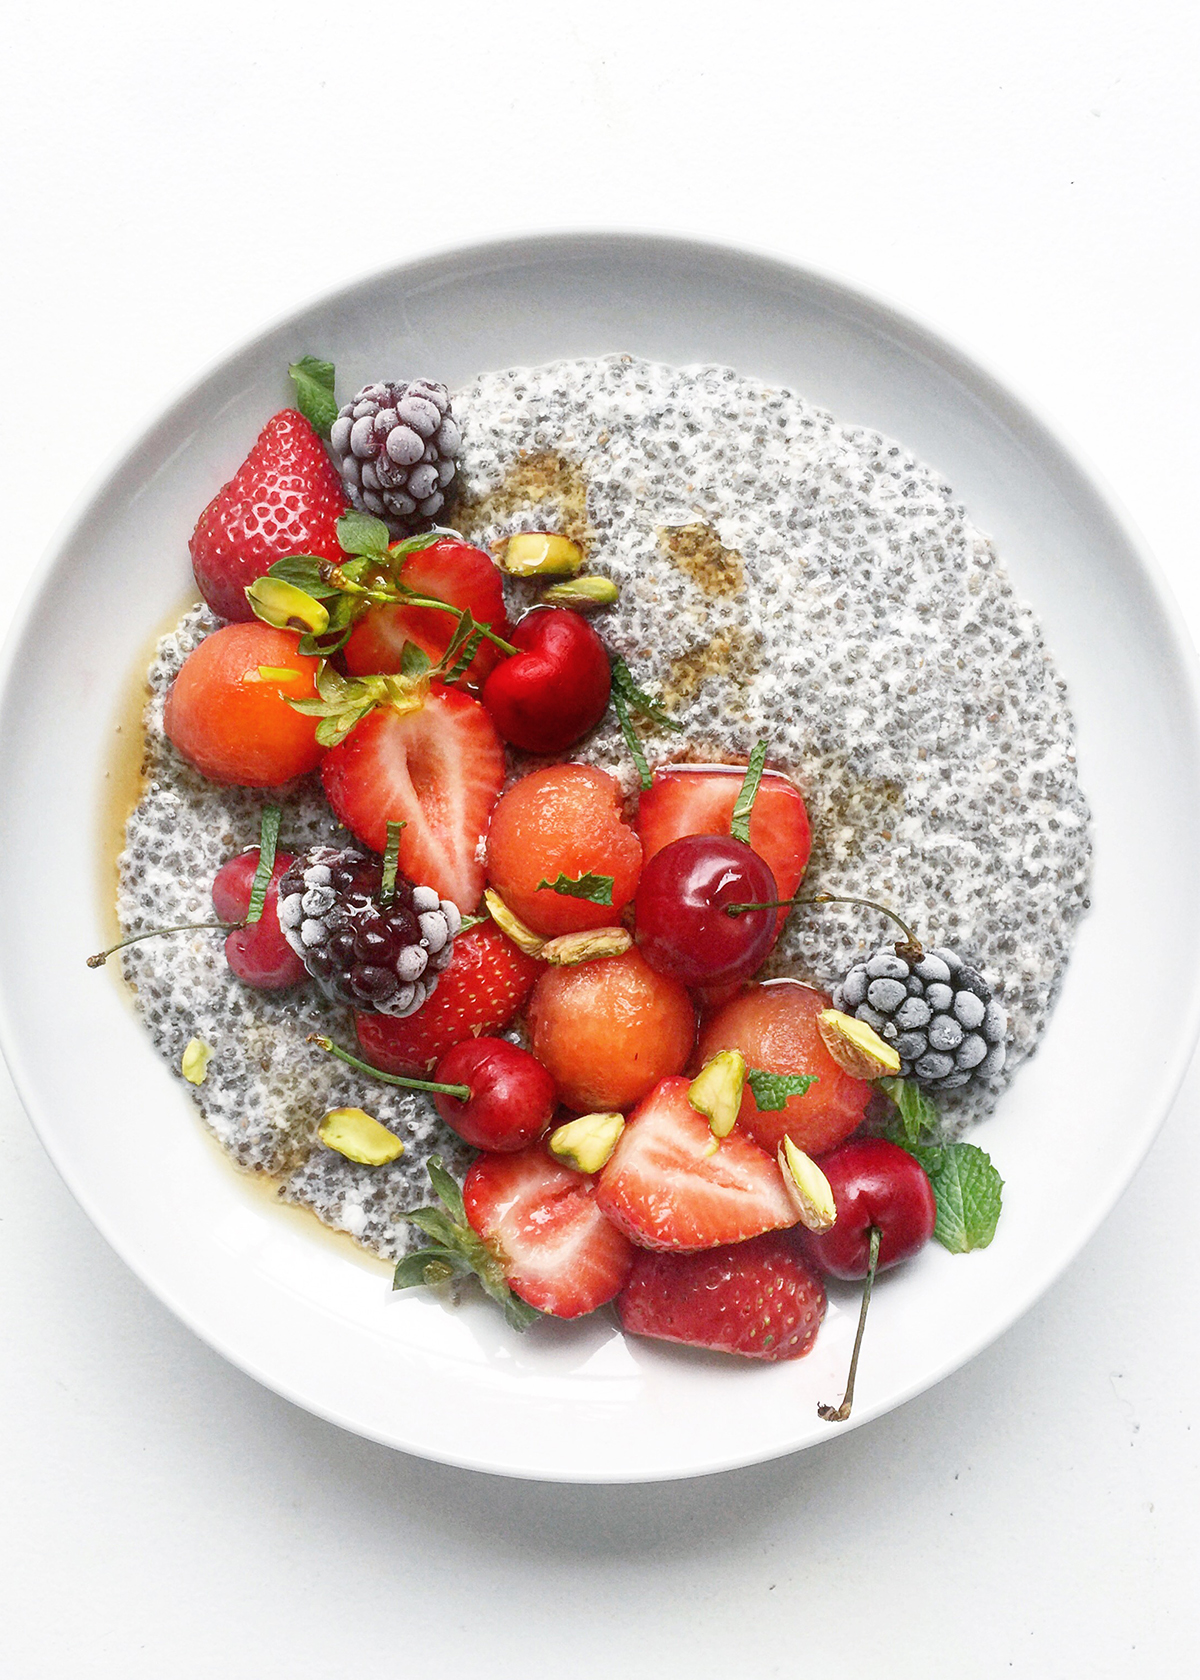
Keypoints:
(1004, 398)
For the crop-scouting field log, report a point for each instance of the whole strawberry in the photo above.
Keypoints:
(485, 982)
(758, 1298)
(285, 498)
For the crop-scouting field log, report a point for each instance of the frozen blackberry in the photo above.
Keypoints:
(395, 446)
(381, 958)
(938, 1015)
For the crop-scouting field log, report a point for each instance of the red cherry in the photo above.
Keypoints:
(874, 1183)
(555, 687)
(259, 954)
(512, 1096)
(682, 925)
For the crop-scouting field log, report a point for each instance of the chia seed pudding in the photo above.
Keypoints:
(781, 577)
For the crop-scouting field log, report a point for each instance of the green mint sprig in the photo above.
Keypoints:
(597, 889)
(967, 1188)
(456, 1250)
(627, 698)
(968, 1191)
(313, 380)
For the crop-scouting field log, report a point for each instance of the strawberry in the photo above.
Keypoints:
(543, 1222)
(285, 498)
(479, 991)
(700, 801)
(449, 571)
(757, 1298)
(666, 1186)
(438, 770)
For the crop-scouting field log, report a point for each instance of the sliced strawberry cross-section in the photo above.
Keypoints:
(439, 770)
(542, 1220)
(666, 1185)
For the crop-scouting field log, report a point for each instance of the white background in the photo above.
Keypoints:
(1024, 176)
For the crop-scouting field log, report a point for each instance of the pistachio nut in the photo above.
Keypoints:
(586, 1144)
(855, 1047)
(571, 948)
(194, 1065)
(717, 1090)
(359, 1137)
(808, 1187)
(541, 554)
(525, 938)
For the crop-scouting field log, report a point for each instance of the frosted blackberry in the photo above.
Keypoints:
(395, 446)
(383, 959)
(938, 1015)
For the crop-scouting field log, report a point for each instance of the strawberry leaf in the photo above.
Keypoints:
(362, 533)
(772, 1090)
(597, 889)
(457, 1247)
(314, 392)
(303, 571)
(414, 661)
(968, 1191)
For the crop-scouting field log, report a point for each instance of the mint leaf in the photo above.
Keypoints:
(739, 823)
(268, 840)
(457, 1247)
(303, 571)
(597, 889)
(362, 533)
(624, 685)
(621, 707)
(967, 1189)
(314, 392)
(918, 1115)
(772, 1090)
(391, 861)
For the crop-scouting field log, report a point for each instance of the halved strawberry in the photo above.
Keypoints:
(449, 571)
(542, 1220)
(285, 498)
(667, 1187)
(700, 800)
(438, 770)
(479, 991)
(758, 1298)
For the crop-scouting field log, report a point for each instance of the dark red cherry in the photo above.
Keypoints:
(683, 926)
(259, 954)
(555, 687)
(512, 1100)
(874, 1182)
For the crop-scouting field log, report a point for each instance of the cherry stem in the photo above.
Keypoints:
(406, 597)
(101, 957)
(462, 1092)
(839, 1414)
(826, 898)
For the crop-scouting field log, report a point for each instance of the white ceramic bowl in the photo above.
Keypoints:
(579, 1403)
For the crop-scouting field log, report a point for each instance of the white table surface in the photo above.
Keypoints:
(1023, 176)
